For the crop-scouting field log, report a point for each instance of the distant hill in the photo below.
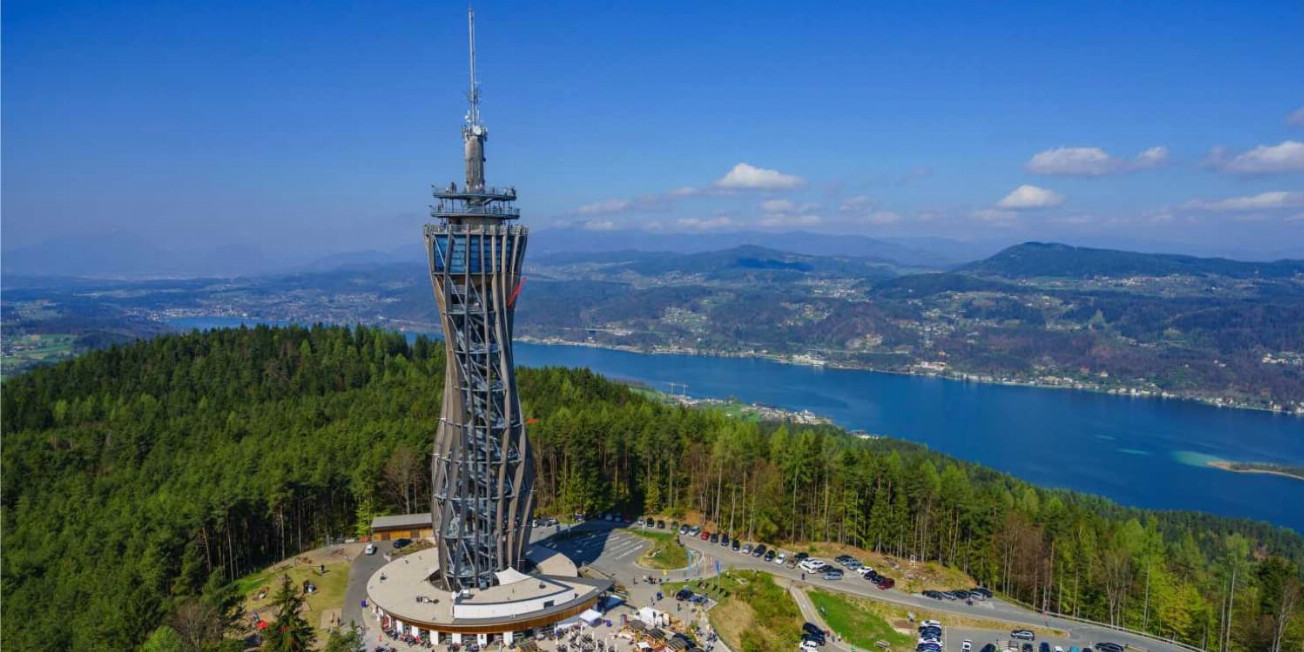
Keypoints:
(1039, 259)
(748, 262)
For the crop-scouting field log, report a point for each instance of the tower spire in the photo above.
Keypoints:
(473, 95)
(473, 132)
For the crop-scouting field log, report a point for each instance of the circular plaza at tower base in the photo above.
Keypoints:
(402, 596)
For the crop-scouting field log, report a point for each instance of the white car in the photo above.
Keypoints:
(966, 646)
(783, 556)
(371, 549)
(930, 623)
(864, 570)
(813, 565)
(807, 645)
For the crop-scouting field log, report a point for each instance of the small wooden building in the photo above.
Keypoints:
(402, 526)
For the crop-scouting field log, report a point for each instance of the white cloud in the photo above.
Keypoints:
(1296, 118)
(746, 177)
(857, 204)
(1264, 159)
(1261, 201)
(599, 225)
(1029, 197)
(790, 220)
(684, 191)
(884, 217)
(778, 206)
(1298, 217)
(705, 223)
(1092, 161)
(606, 207)
(996, 217)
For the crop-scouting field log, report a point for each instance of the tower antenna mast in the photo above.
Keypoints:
(473, 117)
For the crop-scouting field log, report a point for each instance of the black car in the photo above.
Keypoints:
(981, 591)
(1106, 646)
(715, 537)
(936, 595)
(769, 555)
(737, 543)
(758, 550)
(724, 539)
(1025, 634)
(1027, 647)
(401, 543)
(650, 522)
(684, 594)
(990, 647)
(812, 629)
(962, 595)
(661, 525)
(800, 557)
(1044, 647)
(683, 529)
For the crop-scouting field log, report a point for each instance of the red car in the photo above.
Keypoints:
(705, 535)
(886, 583)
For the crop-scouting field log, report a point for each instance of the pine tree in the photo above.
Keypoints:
(289, 632)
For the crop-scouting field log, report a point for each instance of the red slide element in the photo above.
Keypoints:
(516, 293)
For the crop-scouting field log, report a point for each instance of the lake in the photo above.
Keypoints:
(1144, 452)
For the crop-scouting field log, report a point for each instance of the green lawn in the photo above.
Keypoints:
(329, 594)
(850, 620)
(753, 613)
(665, 553)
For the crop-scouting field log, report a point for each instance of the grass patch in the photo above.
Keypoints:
(860, 626)
(898, 616)
(665, 552)
(329, 595)
(752, 612)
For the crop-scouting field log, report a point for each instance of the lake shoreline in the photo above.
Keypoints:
(963, 377)
(1224, 465)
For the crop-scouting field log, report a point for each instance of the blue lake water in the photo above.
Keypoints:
(1141, 452)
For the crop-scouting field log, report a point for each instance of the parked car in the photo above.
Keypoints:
(747, 549)
(1027, 635)
(371, 549)
(684, 594)
(683, 529)
(705, 535)
(736, 545)
(885, 583)
(833, 574)
(769, 555)
(1106, 646)
(401, 543)
(812, 565)
(715, 537)
(812, 629)
(809, 643)
(936, 595)
(783, 556)
(758, 550)
(724, 539)
(695, 530)
(966, 645)
(1027, 647)
(1044, 647)
(990, 647)
(981, 591)
(661, 525)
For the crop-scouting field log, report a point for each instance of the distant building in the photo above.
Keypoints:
(402, 526)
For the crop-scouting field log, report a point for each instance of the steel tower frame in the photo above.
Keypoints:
(482, 469)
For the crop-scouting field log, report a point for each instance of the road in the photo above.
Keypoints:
(1080, 634)
(608, 548)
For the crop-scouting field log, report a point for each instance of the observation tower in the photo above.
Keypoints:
(482, 472)
(482, 578)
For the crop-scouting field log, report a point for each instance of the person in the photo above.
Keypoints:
(803, 576)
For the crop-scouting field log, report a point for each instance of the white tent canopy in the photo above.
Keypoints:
(591, 616)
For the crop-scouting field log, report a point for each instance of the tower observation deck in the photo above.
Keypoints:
(482, 469)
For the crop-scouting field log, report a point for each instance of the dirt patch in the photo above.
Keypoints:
(911, 577)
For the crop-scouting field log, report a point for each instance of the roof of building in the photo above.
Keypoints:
(401, 521)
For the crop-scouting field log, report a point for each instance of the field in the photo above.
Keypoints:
(849, 619)
(320, 606)
(26, 351)
(665, 552)
(753, 613)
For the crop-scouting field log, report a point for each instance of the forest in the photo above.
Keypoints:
(140, 480)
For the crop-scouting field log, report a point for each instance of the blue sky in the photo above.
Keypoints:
(319, 127)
